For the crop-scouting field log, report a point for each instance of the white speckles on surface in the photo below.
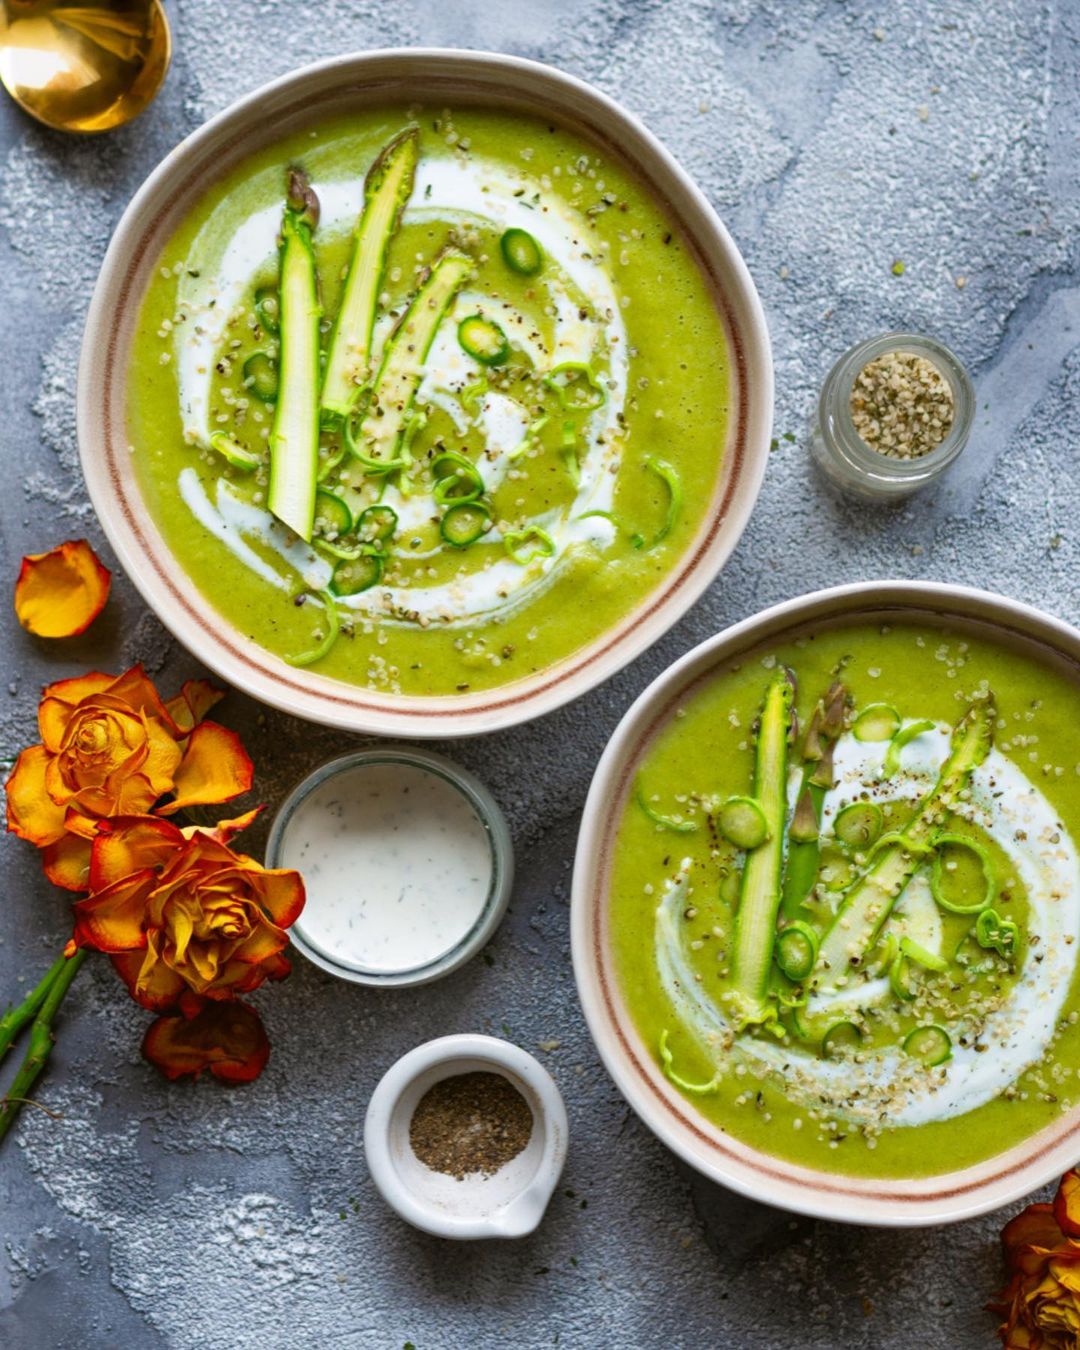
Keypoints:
(672, 70)
(230, 51)
(56, 211)
(60, 483)
(136, 1220)
(260, 1241)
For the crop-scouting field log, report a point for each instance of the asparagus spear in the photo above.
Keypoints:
(804, 852)
(294, 437)
(871, 898)
(759, 899)
(402, 367)
(41, 1042)
(387, 188)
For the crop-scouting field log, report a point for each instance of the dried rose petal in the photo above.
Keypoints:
(215, 768)
(1067, 1204)
(225, 1037)
(60, 593)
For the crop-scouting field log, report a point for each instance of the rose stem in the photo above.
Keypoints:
(17, 1016)
(41, 1043)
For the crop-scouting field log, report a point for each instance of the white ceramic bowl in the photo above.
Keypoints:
(925, 1200)
(320, 91)
(507, 1205)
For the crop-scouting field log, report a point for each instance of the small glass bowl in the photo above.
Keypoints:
(843, 455)
(502, 865)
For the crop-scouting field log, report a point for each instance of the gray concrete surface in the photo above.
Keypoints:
(833, 138)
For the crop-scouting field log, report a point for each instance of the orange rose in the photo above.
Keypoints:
(226, 1038)
(184, 918)
(1041, 1302)
(111, 747)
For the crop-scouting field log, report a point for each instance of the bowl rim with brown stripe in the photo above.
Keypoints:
(298, 99)
(900, 1203)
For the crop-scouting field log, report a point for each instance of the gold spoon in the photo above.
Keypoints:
(83, 66)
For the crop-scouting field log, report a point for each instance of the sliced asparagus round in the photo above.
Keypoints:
(940, 866)
(521, 252)
(841, 1038)
(483, 340)
(876, 722)
(859, 824)
(742, 822)
(930, 1045)
(796, 950)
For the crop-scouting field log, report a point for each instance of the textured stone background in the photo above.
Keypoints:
(833, 138)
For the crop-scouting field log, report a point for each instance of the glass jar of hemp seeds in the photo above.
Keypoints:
(893, 414)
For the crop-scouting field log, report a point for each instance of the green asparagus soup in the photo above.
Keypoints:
(418, 398)
(846, 898)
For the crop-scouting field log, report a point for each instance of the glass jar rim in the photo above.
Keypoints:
(834, 408)
(487, 812)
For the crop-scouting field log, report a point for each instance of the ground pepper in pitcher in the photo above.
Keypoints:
(470, 1123)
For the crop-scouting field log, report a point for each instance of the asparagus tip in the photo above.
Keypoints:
(301, 196)
(837, 701)
(823, 769)
(804, 823)
(405, 141)
(811, 749)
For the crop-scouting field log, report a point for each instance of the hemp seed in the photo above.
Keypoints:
(901, 405)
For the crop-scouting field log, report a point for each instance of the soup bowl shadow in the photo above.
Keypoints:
(321, 91)
(941, 1198)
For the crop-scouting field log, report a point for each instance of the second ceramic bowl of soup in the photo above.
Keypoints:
(579, 437)
(905, 1055)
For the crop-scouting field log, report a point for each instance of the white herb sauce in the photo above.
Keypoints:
(397, 864)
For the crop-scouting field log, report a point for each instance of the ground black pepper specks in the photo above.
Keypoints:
(472, 1122)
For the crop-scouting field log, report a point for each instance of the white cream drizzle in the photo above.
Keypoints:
(229, 517)
(217, 279)
(1022, 822)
